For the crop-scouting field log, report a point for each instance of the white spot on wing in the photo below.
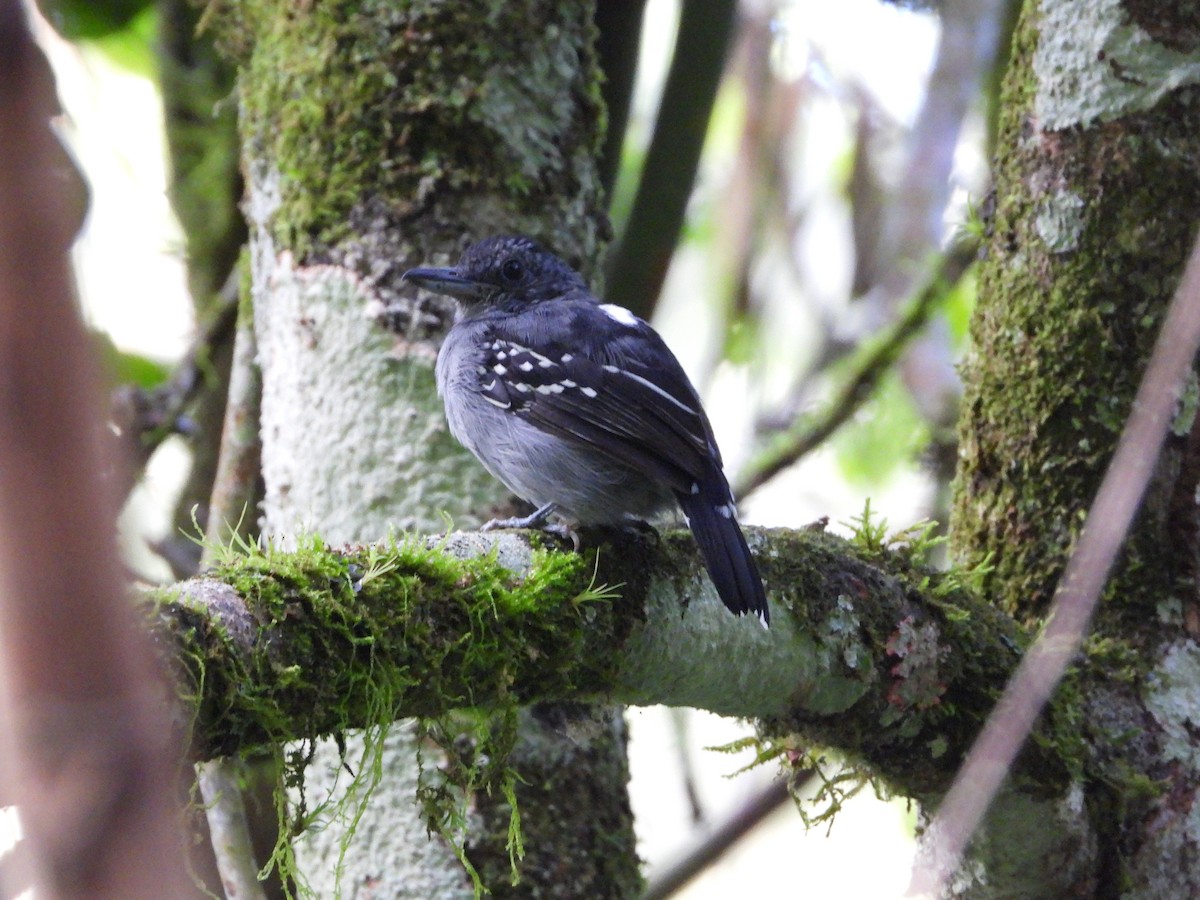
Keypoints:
(619, 314)
(588, 392)
(526, 366)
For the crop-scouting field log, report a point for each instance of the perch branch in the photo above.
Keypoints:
(281, 646)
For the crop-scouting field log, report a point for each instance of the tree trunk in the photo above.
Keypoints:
(376, 138)
(1097, 186)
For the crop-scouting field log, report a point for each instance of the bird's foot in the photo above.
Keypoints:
(564, 531)
(536, 519)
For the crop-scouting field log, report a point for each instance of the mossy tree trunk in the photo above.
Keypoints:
(375, 137)
(1097, 187)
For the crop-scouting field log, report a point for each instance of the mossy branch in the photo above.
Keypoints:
(867, 651)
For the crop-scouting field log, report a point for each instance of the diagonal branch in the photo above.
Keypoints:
(809, 432)
(639, 260)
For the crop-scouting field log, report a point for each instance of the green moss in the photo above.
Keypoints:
(1090, 230)
(346, 638)
(379, 106)
(920, 686)
(428, 631)
(1089, 234)
(925, 683)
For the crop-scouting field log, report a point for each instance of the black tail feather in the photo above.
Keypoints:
(723, 547)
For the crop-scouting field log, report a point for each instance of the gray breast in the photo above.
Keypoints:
(537, 466)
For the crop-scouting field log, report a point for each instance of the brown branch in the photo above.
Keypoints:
(713, 846)
(232, 514)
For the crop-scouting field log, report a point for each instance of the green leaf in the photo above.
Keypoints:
(123, 367)
(885, 434)
(123, 30)
(959, 305)
(90, 19)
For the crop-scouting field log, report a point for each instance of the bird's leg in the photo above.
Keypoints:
(536, 519)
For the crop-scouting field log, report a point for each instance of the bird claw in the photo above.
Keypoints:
(564, 531)
(537, 519)
(495, 524)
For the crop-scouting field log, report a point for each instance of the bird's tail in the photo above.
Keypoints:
(713, 520)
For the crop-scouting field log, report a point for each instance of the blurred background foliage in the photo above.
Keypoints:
(793, 191)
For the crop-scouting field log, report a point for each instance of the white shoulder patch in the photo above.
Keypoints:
(619, 314)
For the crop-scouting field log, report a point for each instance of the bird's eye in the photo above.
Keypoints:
(512, 270)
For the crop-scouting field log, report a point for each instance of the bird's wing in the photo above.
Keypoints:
(617, 388)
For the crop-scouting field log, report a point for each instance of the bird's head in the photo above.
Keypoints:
(499, 270)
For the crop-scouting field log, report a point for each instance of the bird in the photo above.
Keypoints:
(580, 408)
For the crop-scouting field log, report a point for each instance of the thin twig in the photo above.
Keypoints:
(913, 218)
(714, 845)
(807, 433)
(231, 511)
(1105, 529)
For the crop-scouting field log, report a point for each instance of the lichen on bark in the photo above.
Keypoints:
(1080, 263)
(381, 113)
(1094, 215)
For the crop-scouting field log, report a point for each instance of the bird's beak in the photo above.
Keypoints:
(444, 281)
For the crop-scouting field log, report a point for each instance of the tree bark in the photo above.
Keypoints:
(376, 138)
(1097, 183)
